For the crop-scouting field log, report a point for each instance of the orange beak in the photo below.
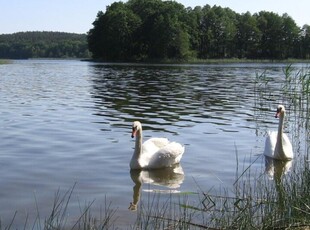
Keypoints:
(277, 114)
(133, 133)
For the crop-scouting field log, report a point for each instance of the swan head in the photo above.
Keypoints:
(280, 111)
(136, 127)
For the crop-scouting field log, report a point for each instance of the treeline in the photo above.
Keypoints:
(25, 45)
(153, 29)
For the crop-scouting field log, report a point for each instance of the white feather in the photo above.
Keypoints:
(155, 152)
(278, 145)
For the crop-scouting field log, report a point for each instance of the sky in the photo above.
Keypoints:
(77, 16)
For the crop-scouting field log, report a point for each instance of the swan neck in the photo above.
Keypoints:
(138, 145)
(279, 145)
(280, 128)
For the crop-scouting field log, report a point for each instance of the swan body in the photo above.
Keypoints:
(155, 152)
(278, 145)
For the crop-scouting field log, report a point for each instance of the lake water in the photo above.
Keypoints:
(68, 123)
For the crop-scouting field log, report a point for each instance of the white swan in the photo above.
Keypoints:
(278, 145)
(155, 152)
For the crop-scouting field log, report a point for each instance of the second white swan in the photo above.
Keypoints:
(278, 145)
(155, 152)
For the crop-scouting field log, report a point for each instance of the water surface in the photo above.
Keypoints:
(66, 123)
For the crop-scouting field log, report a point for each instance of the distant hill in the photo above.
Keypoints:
(23, 45)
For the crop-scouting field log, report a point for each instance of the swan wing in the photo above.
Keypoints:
(160, 153)
(287, 146)
(270, 144)
(150, 148)
(157, 141)
(153, 145)
(167, 156)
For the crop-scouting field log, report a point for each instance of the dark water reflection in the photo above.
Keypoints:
(68, 121)
(164, 95)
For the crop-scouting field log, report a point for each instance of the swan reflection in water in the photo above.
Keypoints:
(276, 168)
(171, 178)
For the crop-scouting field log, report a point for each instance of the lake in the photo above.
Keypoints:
(67, 123)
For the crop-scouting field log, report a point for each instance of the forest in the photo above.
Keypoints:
(23, 45)
(148, 30)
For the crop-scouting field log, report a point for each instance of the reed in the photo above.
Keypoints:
(4, 61)
(252, 203)
(58, 217)
(262, 203)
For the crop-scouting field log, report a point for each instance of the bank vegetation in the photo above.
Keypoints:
(142, 30)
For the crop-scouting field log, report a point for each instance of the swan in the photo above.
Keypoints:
(155, 152)
(278, 145)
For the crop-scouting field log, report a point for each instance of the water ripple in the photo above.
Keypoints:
(67, 121)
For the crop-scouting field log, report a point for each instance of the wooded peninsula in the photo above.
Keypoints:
(156, 30)
(141, 30)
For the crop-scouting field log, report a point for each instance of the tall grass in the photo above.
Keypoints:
(4, 61)
(261, 203)
(280, 203)
(297, 87)
(58, 217)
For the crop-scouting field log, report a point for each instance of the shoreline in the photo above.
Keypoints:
(203, 61)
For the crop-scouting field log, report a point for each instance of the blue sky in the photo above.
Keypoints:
(77, 15)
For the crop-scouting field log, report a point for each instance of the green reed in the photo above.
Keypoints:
(252, 203)
(297, 84)
(58, 217)
(261, 203)
(4, 61)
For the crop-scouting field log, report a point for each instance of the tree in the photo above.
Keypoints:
(218, 31)
(290, 37)
(271, 44)
(43, 44)
(168, 36)
(305, 42)
(192, 21)
(140, 30)
(248, 36)
(114, 33)
(163, 32)
(95, 36)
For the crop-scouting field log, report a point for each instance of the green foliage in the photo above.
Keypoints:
(305, 42)
(248, 36)
(43, 45)
(218, 29)
(141, 30)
